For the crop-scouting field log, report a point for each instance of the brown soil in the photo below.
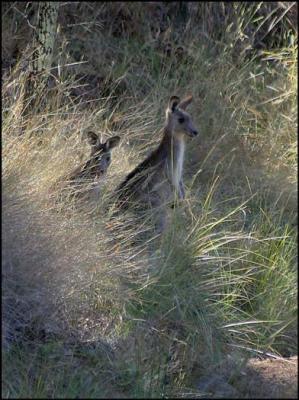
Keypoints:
(270, 378)
(258, 379)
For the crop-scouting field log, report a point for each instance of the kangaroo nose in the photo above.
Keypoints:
(195, 133)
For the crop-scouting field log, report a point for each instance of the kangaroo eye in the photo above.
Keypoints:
(181, 120)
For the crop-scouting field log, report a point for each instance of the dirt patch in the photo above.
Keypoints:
(271, 378)
(257, 379)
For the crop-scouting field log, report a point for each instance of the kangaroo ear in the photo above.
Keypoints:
(93, 138)
(112, 142)
(173, 102)
(185, 102)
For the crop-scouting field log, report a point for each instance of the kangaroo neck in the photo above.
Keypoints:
(174, 149)
(173, 146)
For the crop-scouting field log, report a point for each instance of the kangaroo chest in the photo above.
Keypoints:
(87, 184)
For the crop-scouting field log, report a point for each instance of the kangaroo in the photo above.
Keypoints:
(159, 178)
(94, 170)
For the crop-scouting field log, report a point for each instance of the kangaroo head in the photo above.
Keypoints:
(100, 157)
(177, 119)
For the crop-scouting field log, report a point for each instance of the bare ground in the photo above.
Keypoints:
(257, 379)
(276, 379)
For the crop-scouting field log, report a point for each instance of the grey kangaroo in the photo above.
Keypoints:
(158, 179)
(96, 167)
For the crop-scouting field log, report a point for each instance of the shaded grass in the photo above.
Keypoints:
(52, 370)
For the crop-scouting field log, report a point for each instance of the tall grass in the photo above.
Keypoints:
(95, 306)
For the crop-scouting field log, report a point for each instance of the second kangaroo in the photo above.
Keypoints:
(159, 178)
(94, 170)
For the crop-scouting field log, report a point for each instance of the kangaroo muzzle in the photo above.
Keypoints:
(193, 133)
